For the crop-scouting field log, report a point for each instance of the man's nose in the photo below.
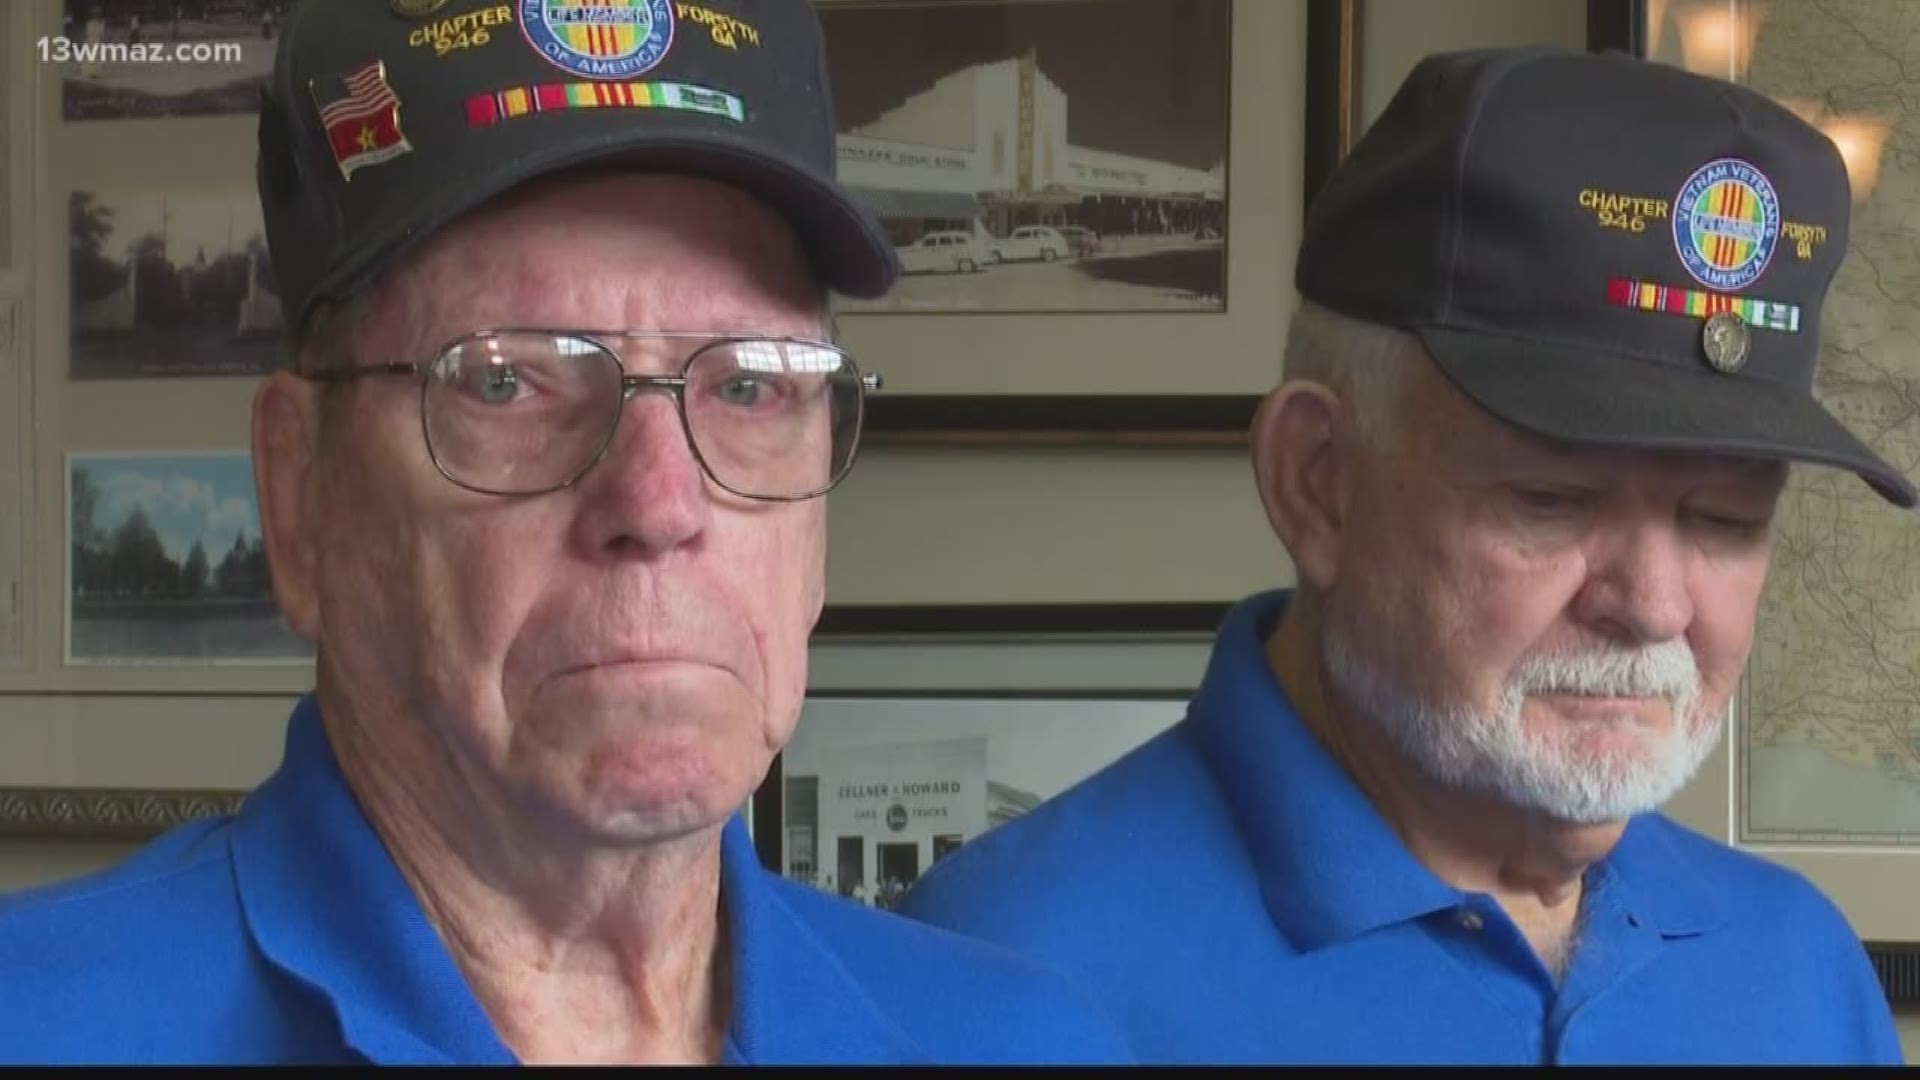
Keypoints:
(1639, 587)
(647, 494)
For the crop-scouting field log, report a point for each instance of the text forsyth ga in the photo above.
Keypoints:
(726, 29)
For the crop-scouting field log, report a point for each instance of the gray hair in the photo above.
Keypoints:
(1368, 365)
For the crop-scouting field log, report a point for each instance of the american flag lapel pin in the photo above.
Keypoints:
(361, 115)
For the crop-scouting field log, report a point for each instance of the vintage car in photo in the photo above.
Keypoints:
(1028, 242)
(944, 251)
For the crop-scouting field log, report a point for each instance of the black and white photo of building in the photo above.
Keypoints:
(1039, 155)
(875, 791)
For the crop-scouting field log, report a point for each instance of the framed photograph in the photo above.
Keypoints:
(875, 788)
(16, 75)
(16, 446)
(1020, 163)
(1824, 769)
(1059, 177)
(1333, 89)
(169, 283)
(165, 563)
(998, 621)
(138, 59)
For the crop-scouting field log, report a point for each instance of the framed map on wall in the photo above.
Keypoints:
(1825, 770)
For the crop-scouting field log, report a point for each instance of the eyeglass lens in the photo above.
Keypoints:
(521, 412)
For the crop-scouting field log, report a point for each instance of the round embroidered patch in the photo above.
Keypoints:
(1726, 224)
(599, 39)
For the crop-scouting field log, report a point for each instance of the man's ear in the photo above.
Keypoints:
(1300, 461)
(286, 431)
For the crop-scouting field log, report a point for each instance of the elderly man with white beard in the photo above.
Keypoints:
(1550, 369)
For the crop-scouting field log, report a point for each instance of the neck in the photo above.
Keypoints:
(579, 950)
(1533, 865)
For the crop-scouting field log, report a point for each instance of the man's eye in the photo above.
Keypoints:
(498, 384)
(1549, 499)
(742, 391)
(1732, 525)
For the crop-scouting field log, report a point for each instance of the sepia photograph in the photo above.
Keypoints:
(1038, 155)
(170, 283)
(127, 59)
(875, 790)
(165, 563)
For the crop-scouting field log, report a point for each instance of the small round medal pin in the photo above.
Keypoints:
(415, 9)
(1725, 340)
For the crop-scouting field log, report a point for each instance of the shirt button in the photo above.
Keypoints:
(1470, 921)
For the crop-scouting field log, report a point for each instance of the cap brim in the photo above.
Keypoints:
(1584, 397)
(843, 241)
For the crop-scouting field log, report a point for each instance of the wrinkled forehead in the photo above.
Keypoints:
(601, 250)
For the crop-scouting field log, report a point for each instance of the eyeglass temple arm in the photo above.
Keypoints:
(351, 373)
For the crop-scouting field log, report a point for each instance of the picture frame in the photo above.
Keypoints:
(16, 490)
(16, 118)
(1784, 778)
(104, 768)
(1334, 120)
(856, 622)
(217, 57)
(106, 815)
(879, 785)
(169, 283)
(1119, 378)
(1021, 165)
(151, 578)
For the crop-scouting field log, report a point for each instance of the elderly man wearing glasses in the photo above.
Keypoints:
(543, 484)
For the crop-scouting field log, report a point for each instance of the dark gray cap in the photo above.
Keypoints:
(1600, 250)
(385, 119)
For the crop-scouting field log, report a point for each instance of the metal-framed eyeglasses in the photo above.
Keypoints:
(530, 411)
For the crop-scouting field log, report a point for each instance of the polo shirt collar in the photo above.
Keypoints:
(794, 1000)
(1650, 875)
(326, 903)
(1329, 865)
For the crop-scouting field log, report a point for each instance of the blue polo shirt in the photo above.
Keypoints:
(286, 934)
(1232, 896)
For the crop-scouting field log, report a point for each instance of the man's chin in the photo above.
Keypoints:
(1598, 788)
(649, 783)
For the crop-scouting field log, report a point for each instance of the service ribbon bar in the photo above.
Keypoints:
(1647, 296)
(486, 109)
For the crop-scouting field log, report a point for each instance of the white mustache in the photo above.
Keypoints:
(1664, 670)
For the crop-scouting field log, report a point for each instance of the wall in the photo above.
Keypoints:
(1395, 34)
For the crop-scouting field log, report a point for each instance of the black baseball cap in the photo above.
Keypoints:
(1600, 250)
(385, 119)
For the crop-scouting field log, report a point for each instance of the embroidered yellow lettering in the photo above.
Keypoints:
(726, 30)
(461, 31)
(1804, 237)
(1616, 211)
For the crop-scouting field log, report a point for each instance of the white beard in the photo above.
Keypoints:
(1546, 771)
